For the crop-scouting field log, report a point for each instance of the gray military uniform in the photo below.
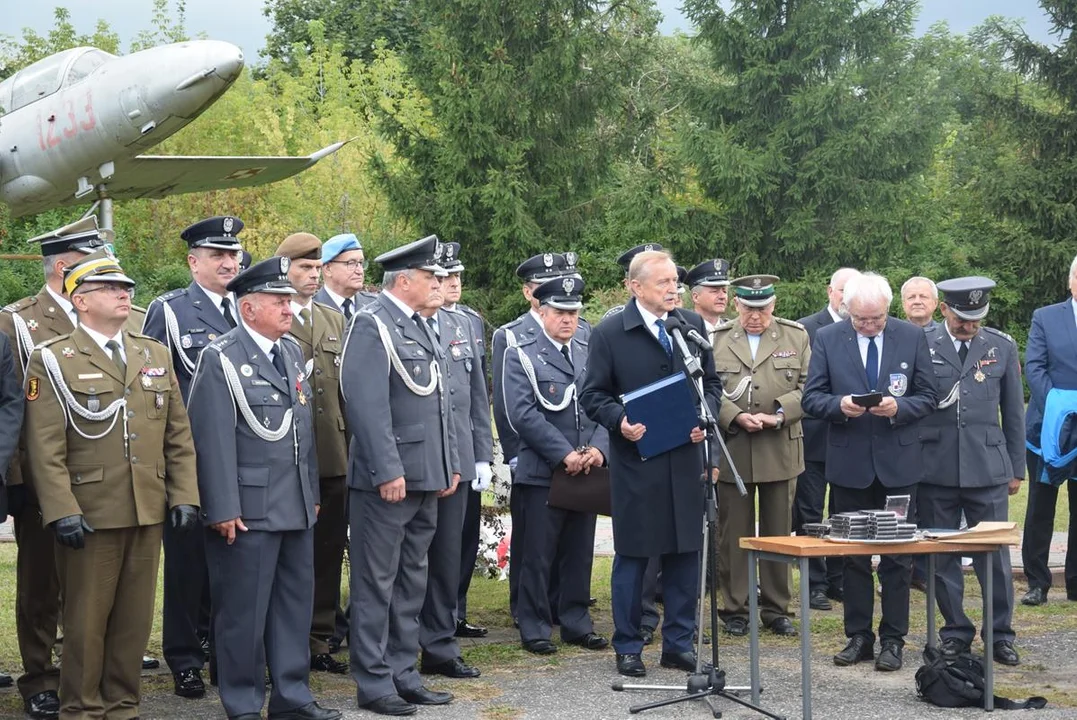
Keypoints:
(470, 408)
(969, 459)
(541, 387)
(257, 461)
(398, 414)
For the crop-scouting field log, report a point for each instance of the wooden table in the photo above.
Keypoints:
(799, 549)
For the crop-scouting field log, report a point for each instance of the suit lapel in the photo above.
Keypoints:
(318, 325)
(768, 343)
(739, 346)
(553, 356)
(977, 351)
(93, 352)
(263, 362)
(945, 349)
(303, 333)
(207, 310)
(406, 326)
(134, 349)
(886, 358)
(56, 320)
(632, 318)
(853, 345)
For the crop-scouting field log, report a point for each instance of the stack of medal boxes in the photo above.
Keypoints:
(871, 525)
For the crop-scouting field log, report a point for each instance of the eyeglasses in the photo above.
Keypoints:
(353, 265)
(866, 319)
(111, 288)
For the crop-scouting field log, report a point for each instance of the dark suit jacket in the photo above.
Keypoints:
(657, 503)
(815, 429)
(11, 410)
(868, 447)
(1050, 360)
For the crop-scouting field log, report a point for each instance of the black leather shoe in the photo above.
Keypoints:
(150, 663)
(782, 626)
(951, 647)
(464, 629)
(205, 649)
(835, 594)
(540, 647)
(455, 668)
(682, 661)
(43, 706)
(889, 658)
(918, 583)
(631, 665)
(188, 683)
(6, 680)
(591, 602)
(423, 696)
(334, 646)
(390, 705)
(310, 711)
(1005, 653)
(648, 634)
(324, 662)
(590, 641)
(858, 649)
(736, 626)
(818, 600)
(1035, 596)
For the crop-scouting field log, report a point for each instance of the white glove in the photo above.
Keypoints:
(484, 477)
(512, 463)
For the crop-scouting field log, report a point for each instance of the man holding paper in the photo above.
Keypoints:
(870, 377)
(657, 502)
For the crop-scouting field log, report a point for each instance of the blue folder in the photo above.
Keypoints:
(667, 409)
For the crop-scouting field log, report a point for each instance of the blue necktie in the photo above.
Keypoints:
(663, 337)
(872, 366)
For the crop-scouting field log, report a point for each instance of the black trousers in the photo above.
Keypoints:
(808, 505)
(469, 548)
(186, 612)
(895, 571)
(1039, 528)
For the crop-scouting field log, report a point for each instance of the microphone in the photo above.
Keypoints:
(675, 323)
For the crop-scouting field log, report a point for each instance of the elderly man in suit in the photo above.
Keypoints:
(470, 408)
(763, 363)
(919, 299)
(872, 452)
(824, 575)
(403, 459)
(258, 480)
(111, 455)
(186, 320)
(973, 462)
(343, 274)
(319, 330)
(657, 504)
(541, 377)
(1050, 363)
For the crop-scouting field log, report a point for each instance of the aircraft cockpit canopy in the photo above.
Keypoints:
(45, 77)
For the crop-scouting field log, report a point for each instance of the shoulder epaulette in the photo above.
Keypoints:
(222, 342)
(790, 323)
(53, 341)
(612, 311)
(20, 305)
(172, 294)
(469, 310)
(993, 331)
(725, 325)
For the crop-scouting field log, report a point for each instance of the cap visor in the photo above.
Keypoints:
(111, 277)
(972, 315)
(564, 304)
(756, 303)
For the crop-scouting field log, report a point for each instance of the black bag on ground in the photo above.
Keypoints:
(960, 683)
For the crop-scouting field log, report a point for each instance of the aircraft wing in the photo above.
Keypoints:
(157, 176)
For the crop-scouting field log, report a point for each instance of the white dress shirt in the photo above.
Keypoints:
(753, 343)
(833, 314)
(862, 340)
(649, 319)
(297, 308)
(217, 302)
(101, 340)
(404, 308)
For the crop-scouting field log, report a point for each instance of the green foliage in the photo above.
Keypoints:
(356, 26)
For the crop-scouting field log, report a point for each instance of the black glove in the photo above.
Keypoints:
(71, 531)
(16, 500)
(184, 517)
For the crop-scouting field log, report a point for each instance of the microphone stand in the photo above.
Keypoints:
(706, 683)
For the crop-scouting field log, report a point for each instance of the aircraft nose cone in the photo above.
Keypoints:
(226, 58)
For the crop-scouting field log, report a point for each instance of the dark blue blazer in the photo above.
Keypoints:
(814, 429)
(868, 447)
(1050, 360)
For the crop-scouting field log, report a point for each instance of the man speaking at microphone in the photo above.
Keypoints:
(657, 503)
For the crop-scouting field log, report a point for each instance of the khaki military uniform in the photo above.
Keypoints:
(768, 460)
(123, 483)
(321, 341)
(27, 323)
